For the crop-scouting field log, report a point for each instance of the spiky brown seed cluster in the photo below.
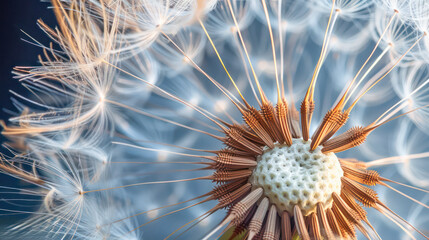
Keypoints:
(250, 210)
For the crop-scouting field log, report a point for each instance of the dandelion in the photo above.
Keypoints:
(256, 119)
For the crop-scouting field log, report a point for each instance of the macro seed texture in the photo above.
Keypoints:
(294, 175)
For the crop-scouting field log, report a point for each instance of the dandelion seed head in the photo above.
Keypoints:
(347, 8)
(190, 119)
(398, 6)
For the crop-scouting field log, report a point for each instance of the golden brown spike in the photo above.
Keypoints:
(270, 230)
(228, 161)
(367, 177)
(346, 227)
(286, 226)
(248, 133)
(225, 188)
(354, 205)
(273, 125)
(341, 123)
(255, 121)
(352, 138)
(225, 176)
(236, 146)
(307, 108)
(243, 225)
(314, 228)
(331, 120)
(347, 212)
(333, 223)
(230, 197)
(367, 196)
(261, 233)
(283, 116)
(233, 152)
(240, 220)
(323, 222)
(300, 224)
(240, 208)
(360, 213)
(237, 140)
(258, 218)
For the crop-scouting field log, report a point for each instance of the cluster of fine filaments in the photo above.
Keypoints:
(231, 119)
(294, 175)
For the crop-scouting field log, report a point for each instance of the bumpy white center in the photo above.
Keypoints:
(293, 175)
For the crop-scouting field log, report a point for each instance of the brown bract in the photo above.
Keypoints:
(251, 212)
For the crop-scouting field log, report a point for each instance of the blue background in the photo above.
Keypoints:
(17, 15)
